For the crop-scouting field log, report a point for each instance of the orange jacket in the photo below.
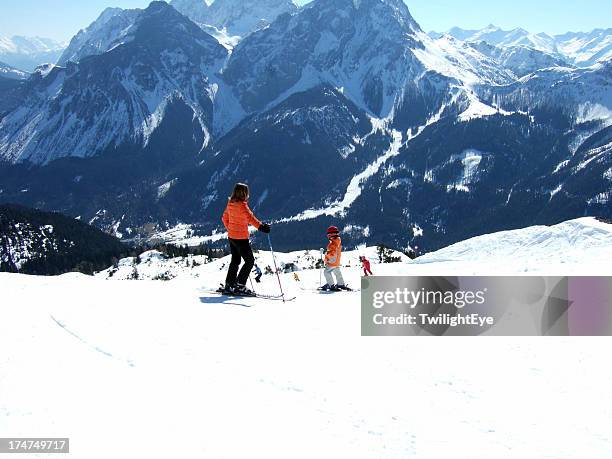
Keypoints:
(334, 251)
(236, 219)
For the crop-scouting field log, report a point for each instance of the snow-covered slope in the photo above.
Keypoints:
(273, 374)
(483, 65)
(585, 94)
(576, 247)
(7, 71)
(107, 31)
(38, 242)
(586, 48)
(520, 60)
(26, 53)
(25, 242)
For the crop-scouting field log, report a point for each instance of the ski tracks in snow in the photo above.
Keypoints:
(89, 345)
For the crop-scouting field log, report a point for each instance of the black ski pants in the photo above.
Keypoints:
(241, 249)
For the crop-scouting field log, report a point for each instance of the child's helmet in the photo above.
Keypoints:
(333, 230)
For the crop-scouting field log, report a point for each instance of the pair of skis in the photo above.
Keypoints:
(262, 296)
(321, 290)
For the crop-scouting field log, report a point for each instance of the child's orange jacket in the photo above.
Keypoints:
(236, 219)
(334, 251)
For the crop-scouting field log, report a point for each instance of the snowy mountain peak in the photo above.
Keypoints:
(157, 6)
(390, 9)
(365, 50)
(236, 18)
(403, 13)
(162, 27)
(116, 26)
(100, 35)
(108, 13)
(196, 10)
(44, 69)
(242, 17)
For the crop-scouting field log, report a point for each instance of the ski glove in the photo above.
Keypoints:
(264, 228)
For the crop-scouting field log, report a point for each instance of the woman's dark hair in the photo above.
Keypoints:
(240, 193)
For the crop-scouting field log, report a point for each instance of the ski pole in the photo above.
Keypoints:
(252, 287)
(321, 268)
(275, 268)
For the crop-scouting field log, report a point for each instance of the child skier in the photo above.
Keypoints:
(236, 219)
(332, 262)
(365, 263)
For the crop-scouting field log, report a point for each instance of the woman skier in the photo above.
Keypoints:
(236, 219)
(332, 262)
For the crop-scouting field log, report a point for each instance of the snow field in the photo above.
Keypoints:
(163, 369)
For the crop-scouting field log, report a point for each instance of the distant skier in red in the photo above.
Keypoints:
(365, 263)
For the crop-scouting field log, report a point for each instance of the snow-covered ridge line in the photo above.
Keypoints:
(576, 247)
(582, 49)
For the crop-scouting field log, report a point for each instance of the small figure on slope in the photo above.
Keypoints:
(258, 273)
(236, 219)
(332, 262)
(365, 263)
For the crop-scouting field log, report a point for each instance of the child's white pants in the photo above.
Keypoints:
(330, 272)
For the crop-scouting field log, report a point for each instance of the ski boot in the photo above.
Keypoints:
(243, 290)
(226, 289)
(344, 287)
(325, 288)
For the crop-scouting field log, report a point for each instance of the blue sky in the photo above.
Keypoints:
(60, 19)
